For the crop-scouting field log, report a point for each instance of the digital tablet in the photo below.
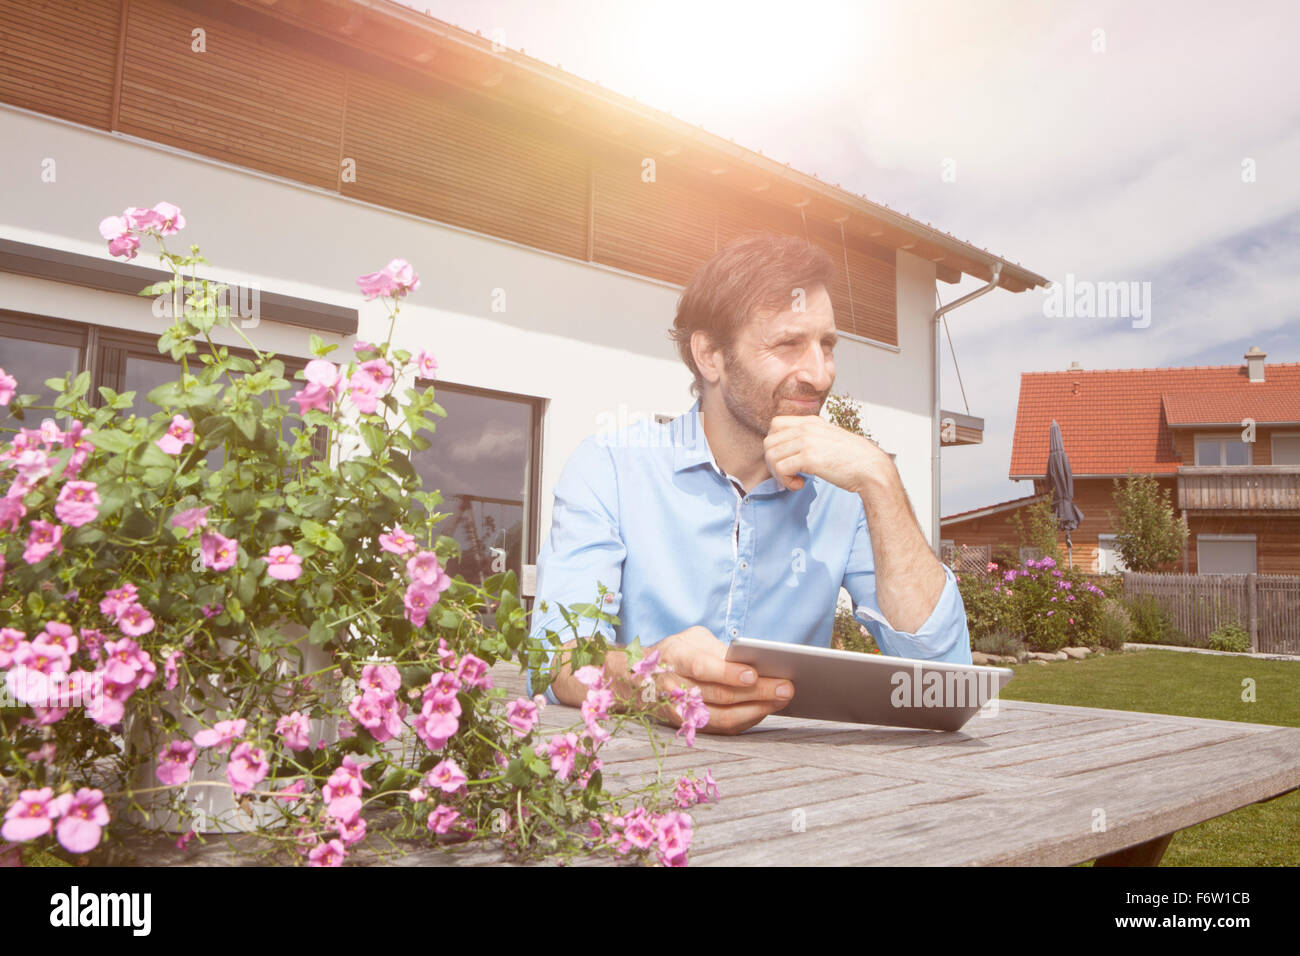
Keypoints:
(872, 688)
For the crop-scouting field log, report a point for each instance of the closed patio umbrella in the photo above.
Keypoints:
(1061, 481)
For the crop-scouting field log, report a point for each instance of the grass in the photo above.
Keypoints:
(1190, 685)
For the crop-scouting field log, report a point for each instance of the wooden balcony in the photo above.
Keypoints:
(1272, 490)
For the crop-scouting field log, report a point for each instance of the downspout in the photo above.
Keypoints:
(934, 459)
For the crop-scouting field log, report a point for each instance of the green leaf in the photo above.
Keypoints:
(246, 422)
(158, 288)
(247, 589)
(517, 774)
(319, 633)
(56, 384)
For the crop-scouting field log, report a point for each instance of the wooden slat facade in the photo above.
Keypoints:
(259, 100)
(60, 58)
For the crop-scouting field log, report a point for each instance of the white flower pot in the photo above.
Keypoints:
(214, 806)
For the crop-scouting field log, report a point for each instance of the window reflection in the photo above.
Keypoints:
(480, 461)
(31, 363)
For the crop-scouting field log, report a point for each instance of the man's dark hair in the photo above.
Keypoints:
(757, 273)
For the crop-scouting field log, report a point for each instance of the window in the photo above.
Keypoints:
(1211, 450)
(1286, 449)
(484, 461)
(1225, 554)
(35, 348)
(1030, 554)
(1108, 557)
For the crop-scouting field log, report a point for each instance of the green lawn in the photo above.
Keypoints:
(1190, 685)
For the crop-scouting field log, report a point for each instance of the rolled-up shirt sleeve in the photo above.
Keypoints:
(944, 635)
(584, 548)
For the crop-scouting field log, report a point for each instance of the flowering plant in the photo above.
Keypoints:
(166, 582)
(1047, 606)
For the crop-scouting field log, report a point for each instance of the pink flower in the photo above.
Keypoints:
(352, 831)
(118, 600)
(179, 434)
(127, 663)
(246, 768)
(328, 854)
(379, 371)
(562, 749)
(293, 730)
(418, 599)
(136, 620)
(139, 219)
(442, 818)
(473, 672)
(417, 795)
(171, 669)
(282, 564)
(360, 346)
(222, 734)
(291, 792)
(170, 220)
(8, 387)
(44, 538)
(397, 541)
(364, 392)
(183, 841)
(82, 820)
(446, 776)
(78, 503)
(12, 512)
(438, 721)
(31, 817)
(191, 519)
(175, 761)
(379, 712)
(424, 568)
(120, 240)
(395, 279)
(646, 667)
(323, 379)
(521, 715)
(381, 678)
(10, 640)
(426, 366)
(692, 710)
(219, 553)
(673, 831)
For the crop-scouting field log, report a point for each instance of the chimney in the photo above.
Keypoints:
(1255, 364)
(1075, 367)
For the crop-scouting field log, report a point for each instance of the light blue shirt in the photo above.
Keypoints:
(646, 510)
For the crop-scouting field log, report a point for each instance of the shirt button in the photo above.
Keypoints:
(744, 565)
(734, 632)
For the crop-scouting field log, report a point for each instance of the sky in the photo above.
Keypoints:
(1154, 142)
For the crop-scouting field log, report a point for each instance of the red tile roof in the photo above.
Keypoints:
(1265, 402)
(1113, 420)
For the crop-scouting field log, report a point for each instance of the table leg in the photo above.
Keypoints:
(1140, 854)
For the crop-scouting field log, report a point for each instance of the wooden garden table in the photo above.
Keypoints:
(1036, 784)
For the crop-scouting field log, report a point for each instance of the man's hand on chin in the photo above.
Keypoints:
(812, 445)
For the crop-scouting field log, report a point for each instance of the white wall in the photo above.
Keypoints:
(587, 338)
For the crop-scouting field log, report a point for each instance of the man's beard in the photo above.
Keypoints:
(751, 405)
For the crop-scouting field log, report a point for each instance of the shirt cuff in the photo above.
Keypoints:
(943, 637)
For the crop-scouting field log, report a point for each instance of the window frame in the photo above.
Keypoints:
(1220, 439)
(537, 412)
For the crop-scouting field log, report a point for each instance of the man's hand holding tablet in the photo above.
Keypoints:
(736, 696)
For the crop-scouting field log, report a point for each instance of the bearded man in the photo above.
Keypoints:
(747, 514)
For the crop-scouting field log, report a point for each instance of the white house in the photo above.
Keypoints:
(552, 222)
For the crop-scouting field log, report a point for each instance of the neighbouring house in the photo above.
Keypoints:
(553, 223)
(1224, 440)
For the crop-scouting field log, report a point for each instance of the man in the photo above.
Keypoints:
(745, 515)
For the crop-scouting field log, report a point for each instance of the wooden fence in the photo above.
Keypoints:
(1266, 605)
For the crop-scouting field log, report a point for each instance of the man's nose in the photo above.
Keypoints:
(817, 371)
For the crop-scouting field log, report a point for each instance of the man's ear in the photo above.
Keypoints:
(708, 359)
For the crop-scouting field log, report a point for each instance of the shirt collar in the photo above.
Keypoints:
(691, 449)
